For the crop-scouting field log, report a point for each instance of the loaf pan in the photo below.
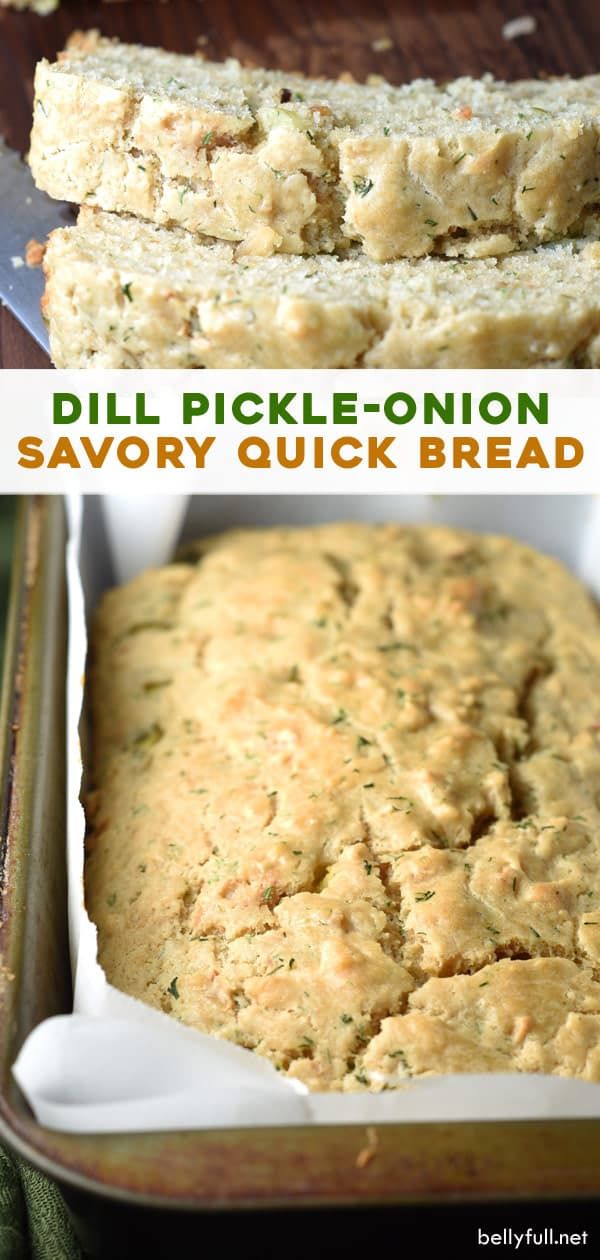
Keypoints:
(204, 1171)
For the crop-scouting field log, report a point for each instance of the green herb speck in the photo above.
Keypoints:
(340, 716)
(363, 185)
(396, 646)
(148, 737)
(156, 684)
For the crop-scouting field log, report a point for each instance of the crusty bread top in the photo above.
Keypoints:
(234, 96)
(334, 769)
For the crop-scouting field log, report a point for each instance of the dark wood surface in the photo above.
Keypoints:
(438, 38)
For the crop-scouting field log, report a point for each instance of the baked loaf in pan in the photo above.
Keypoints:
(122, 293)
(345, 806)
(286, 163)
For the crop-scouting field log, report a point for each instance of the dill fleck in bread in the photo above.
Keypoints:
(282, 162)
(345, 805)
(123, 293)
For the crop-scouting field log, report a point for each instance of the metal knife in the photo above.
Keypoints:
(25, 214)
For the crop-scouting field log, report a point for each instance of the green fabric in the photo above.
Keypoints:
(13, 1221)
(33, 1219)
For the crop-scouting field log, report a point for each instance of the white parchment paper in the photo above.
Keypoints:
(117, 1065)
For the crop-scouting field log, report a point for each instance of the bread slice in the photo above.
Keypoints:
(124, 293)
(298, 165)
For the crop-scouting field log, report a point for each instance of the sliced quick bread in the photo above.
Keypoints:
(298, 165)
(124, 293)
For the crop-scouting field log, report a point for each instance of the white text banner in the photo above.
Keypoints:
(300, 432)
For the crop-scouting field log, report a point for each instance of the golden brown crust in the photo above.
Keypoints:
(346, 802)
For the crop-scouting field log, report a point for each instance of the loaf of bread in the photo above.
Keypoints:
(123, 293)
(285, 163)
(344, 807)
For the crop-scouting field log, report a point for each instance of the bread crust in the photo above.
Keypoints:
(345, 802)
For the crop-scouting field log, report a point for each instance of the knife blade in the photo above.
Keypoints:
(25, 214)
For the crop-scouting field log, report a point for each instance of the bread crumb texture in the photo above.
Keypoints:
(345, 806)
(475, 166)
(123, 293)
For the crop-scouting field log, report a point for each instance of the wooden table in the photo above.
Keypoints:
(438, 38)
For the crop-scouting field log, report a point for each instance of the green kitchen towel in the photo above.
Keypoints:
(33, 1219)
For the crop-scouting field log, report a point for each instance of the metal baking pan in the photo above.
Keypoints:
(211, 1171)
